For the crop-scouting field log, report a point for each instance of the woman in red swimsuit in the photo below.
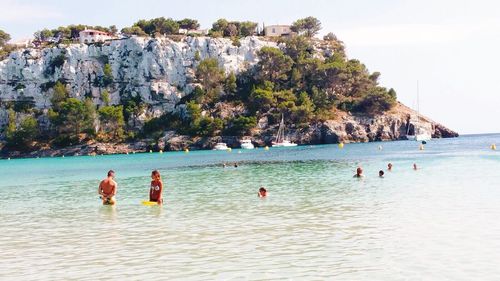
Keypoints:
(155, 192)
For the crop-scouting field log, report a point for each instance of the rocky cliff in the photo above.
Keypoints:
(162, 71)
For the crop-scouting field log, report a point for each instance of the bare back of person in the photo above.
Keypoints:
(107, 189)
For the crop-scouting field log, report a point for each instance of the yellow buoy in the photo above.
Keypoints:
(229, 149)
(421, 147)
(266, 147)
(133, 152)
(127, 152)
(341, 145)
(62, 156)
(186, 150)
(161, 151)
(150, 151)
(493, 147)
(8, 158)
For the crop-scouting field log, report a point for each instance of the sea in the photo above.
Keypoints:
(439, 222)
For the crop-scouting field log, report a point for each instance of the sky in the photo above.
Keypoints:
(451, 47)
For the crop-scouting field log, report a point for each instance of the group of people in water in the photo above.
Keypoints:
(381, 173)
(108, 186)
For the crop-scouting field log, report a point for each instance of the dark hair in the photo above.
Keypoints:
(381, 172)
(156, 173)
(262, 189)
(110, 173)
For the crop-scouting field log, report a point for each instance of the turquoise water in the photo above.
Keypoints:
(440, 222)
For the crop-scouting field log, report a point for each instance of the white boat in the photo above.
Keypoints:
(221, 146)
(247, 144)
(280, 140)
(419, 134)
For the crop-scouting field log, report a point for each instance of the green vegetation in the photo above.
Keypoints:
(293, 80)
(309, 26)
(161, 26)
(22, 137)
(4, 38)
(225, 28)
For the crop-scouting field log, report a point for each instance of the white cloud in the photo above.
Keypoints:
(14, 11)
(413, 34)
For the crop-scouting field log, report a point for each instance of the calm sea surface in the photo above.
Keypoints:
(441, 222)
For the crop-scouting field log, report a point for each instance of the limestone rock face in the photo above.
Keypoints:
(159, 70)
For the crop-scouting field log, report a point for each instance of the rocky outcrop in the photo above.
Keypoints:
(161, 72)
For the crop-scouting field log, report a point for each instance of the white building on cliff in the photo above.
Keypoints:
(93, 36)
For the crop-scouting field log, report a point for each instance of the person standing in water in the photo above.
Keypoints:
(359, 173)
(415, 166)
(107, 189)
(155, 192)
(389, 167)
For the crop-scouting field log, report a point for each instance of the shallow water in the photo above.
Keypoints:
(440, 222)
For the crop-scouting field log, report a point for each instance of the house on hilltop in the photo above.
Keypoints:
(93, 36)
(277, 30)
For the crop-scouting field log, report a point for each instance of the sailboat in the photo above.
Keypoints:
(419, 134)
(280, 140)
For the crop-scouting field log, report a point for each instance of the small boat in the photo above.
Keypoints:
(419, 134)
(221, 146)
(280, 140)
(247, 144)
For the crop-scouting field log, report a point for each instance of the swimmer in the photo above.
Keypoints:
(380, 174)
(236, 165)
(155, 192)
(107, 189)
(389, 167)
(262, 192)
(359, 173)
(415, 166)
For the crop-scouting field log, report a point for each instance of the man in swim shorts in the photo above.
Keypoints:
(107, 189)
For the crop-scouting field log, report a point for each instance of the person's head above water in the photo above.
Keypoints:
(414, 166)
(262, 192)
(389, 166)
(381, 173)
(359, 172)
(111, 174)
(155, 175)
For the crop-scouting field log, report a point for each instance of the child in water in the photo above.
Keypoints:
(380, 174)
(262, 192)
(155, 192)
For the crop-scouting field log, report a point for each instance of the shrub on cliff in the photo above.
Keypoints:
(111, 123)
(241, 125)
(4, 38)
(211, 77)
(225, 28)
(22, 137)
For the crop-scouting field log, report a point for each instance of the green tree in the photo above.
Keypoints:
(4, 38)
(73, 118)
(11, 125)
(59, 95)
(107, 79)
(247, 28)
(43, 34)
(230, 85)
(242, 125)
(105, 97)
(274, 65)
(377, 100)
(188, 24)
(112, 122)
(22, 138)
(133, 30)
(210, 76)
(309, 26)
